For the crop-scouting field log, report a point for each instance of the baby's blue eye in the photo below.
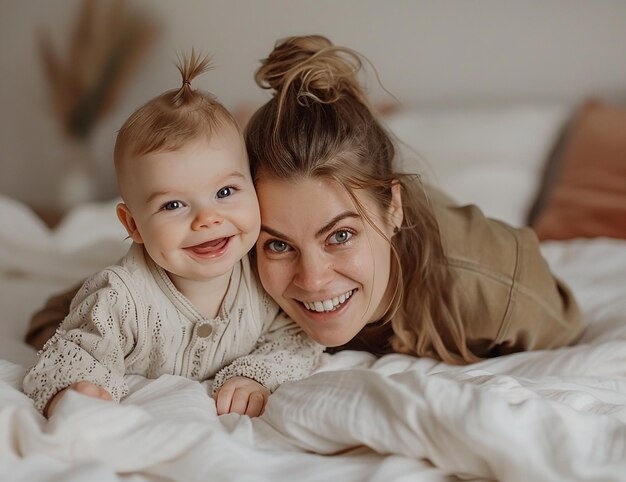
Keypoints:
(225, 192)
(170, 206)
(340, 237)
(277, 246)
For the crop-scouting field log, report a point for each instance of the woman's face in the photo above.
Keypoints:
(325, 265)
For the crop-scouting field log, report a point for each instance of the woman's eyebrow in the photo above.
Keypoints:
(329, 225)
(273, 232)
(323, 230)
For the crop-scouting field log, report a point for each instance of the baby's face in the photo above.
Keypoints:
(195, 209)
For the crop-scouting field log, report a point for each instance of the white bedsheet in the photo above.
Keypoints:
(541, 416)
(495, 420)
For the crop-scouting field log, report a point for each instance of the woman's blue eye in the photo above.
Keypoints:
(225, 192)
(277, 246)
(340, 237)
(170, 206)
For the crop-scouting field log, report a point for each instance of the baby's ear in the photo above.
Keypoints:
(126, 218)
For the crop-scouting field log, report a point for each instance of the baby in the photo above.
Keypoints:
(184, 300)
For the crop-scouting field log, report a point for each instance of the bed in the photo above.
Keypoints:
(541, 416)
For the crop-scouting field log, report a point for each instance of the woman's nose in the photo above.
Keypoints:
(206, 218)
(313, 273)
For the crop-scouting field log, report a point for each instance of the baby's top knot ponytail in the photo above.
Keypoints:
(170, 120)
(190, 68)
(311, 67)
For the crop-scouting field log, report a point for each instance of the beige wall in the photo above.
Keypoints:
(426, 52)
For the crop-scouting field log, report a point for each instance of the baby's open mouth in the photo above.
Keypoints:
(209, 247)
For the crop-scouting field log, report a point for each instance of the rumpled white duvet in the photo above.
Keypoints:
(540, 416)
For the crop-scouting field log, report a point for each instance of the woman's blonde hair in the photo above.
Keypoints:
(320, 124)
(173, 118)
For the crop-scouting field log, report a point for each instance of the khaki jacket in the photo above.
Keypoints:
(503, 290)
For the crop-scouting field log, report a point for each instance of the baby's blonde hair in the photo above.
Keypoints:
(169, 121)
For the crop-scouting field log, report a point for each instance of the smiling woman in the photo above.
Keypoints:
(362, 256)
(327, 267)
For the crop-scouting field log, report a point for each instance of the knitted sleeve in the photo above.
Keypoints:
(91, 343)
(283, 353)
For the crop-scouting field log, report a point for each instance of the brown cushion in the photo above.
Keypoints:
(584, 194)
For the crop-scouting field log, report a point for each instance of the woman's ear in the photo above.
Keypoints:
(126, 218)
(396, 214)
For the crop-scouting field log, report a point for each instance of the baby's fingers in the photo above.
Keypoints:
(243, 396)
(256, 404)
(83, 387)
(91, 390)
(239, 403)
(223, 399)
(53, 403)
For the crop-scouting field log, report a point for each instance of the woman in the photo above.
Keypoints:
(364, 257)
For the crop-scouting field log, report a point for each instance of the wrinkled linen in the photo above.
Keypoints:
(491, 421)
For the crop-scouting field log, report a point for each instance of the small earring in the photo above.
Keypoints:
(396, 230)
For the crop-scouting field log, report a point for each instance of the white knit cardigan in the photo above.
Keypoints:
(130, 319)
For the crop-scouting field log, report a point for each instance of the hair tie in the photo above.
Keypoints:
(188, 82)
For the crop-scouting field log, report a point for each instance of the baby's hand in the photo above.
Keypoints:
(243, 396)
(86, 388)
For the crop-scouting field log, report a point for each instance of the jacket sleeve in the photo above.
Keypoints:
(283, 353)
(91, 343)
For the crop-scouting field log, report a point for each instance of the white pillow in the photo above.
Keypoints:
(89, 238)
(492, 156)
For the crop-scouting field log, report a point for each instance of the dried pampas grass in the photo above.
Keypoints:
(106, 44)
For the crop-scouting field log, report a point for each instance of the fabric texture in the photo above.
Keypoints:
(583, 194)
(130, 319)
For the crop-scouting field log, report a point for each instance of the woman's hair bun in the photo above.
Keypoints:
(313, 66)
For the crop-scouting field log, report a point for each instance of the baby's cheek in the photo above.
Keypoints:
(250, 225)
(166, 238)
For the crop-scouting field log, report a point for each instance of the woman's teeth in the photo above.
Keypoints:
(327, 305)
